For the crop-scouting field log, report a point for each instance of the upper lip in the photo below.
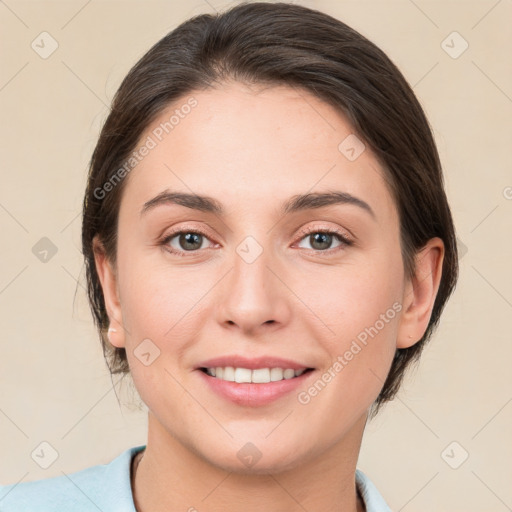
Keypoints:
(237, 361)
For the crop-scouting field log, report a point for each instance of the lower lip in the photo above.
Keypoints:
(253, 395)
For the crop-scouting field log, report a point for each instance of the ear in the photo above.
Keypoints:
(420, 292)
(108, 279)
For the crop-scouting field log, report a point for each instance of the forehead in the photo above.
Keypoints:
(254, 146)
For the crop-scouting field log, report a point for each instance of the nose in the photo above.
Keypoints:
(253, 296)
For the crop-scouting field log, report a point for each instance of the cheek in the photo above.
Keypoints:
(160, 319)
(156, 296)
(359, 308)
(146, 301)
(359, 344)
(353, 296)
(167, 306)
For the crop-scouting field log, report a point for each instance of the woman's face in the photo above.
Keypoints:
(319, 284)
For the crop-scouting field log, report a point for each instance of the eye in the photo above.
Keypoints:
(191, 241)
(321, 239)
(181, 242)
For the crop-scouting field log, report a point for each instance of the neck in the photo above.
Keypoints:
(170, 476)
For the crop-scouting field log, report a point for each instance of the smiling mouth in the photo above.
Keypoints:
(256, 376)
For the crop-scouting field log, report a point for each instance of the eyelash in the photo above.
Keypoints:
(345, 242)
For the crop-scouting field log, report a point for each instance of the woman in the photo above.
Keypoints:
(268, 246)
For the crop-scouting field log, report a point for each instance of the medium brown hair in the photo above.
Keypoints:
(280, 44)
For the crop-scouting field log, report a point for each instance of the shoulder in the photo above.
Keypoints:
(372, 498)
(100, 487)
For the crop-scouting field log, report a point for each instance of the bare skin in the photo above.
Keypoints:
(253, 149)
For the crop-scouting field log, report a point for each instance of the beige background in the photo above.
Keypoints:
(55, 387)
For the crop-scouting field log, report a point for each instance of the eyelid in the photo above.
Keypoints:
(186, 226)
(349, 238)
(345, 239)
(166, 238)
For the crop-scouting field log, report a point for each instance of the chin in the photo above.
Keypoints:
(251, 460)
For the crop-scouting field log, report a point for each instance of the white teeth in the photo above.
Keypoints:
(261, 375)
(229, 374)
(289, 374)
(258, 376)
(242, 375)
(276, 374)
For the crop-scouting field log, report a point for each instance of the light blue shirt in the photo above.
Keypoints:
(107, 488)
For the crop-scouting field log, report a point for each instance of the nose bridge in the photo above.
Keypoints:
(252, 295)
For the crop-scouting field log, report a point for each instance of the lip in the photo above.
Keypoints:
(253, 395)
(237, 361)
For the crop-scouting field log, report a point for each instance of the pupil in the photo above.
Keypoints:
(321, 238)
(189, 239)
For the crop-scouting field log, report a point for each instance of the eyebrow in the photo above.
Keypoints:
(294, 204)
